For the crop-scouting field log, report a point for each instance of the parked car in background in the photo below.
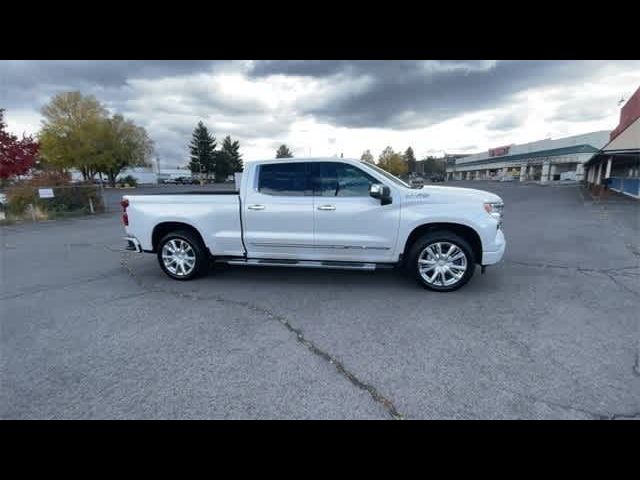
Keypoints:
(187, 180)
(3, 206)
(321, 213)
(437, 178)
(416, 182)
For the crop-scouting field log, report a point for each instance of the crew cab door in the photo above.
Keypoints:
(350, 225)
(278, 212)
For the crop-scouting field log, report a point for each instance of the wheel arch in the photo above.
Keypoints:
(464, 231)
(161, 229)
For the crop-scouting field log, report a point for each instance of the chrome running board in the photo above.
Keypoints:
(303, 263)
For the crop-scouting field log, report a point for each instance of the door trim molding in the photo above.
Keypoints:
(300, 245)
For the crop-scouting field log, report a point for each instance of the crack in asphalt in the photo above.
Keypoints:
(593, 415)
(533, 399)
(622, 285)
(633, 249)
(60, 287)
(578, 269)
(378, 397)
(624, 416)
(373, 392)
(47, 288)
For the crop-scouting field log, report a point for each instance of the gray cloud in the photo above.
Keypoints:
(406, 94)
(32, 83)
(507, 121)
(577, 108)
(106, 73)
(467, 148)
(170, 97)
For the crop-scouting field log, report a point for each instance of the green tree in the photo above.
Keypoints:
(72, 123)
(410, 158)
(392, 162)
(121, 144)
(367, 157)
(283, 152)
(78, 133)
(434, 166)
(231, 150)
(202, 149)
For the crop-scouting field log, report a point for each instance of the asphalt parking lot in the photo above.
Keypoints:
(553, 332)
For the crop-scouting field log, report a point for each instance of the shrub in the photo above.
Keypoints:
(128, 180)
(72, 199)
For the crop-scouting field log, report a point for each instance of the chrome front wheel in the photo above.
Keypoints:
(441, 260)
(442, 264)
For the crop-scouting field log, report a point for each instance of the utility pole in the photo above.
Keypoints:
(104, 204)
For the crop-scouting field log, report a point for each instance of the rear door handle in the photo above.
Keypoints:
(327, 207)
(256, 207)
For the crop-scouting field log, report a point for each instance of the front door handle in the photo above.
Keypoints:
(256, 207)
(327, 207)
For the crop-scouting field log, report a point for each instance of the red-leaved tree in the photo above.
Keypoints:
(17, 157)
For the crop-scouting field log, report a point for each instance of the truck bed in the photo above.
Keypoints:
(216, 215)
(197, 192)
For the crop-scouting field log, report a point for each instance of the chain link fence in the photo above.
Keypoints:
(22, 202)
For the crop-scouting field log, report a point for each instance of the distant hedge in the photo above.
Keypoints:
(129, 180)
(68, 199)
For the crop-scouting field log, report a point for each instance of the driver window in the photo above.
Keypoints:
(342, 180)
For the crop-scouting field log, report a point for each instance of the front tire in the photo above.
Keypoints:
(182, 255)
(441, 261)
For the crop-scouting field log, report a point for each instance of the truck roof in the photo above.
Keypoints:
(302, 159)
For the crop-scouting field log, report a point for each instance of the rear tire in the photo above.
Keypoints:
(441, 261)
(182, 255)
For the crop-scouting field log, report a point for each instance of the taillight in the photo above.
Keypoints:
(125, 218)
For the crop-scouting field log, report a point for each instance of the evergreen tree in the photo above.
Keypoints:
(410, 158)
(203, 151)
(283, 152)
(231, 149)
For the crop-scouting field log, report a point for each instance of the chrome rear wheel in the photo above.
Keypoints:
(182, 255)
(178, 257)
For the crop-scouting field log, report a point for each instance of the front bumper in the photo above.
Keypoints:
(494, 256)
(133, 244)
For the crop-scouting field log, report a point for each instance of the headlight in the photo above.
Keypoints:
(495, 209)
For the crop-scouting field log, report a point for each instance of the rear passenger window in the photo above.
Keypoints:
(284, 179)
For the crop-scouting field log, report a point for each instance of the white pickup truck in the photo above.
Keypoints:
(322, 213)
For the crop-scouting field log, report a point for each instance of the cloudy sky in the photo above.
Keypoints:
(330, 107)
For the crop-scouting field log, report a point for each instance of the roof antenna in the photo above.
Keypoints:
(621, 101)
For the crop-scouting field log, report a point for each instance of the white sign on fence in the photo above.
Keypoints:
(45, 192)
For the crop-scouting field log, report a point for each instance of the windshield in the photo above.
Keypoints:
(393, 178)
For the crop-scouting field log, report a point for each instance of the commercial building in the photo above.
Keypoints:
(617, 165)
(541, 161)
(143, 175)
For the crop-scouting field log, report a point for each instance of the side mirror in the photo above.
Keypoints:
(381, 192)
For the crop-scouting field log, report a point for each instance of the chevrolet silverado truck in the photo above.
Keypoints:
(321, 213)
